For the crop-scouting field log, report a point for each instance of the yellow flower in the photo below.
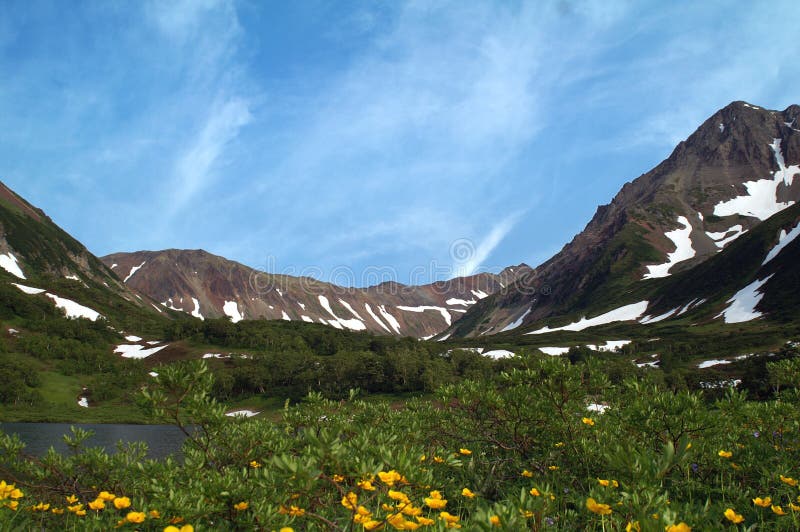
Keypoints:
(633, 527)
(389, 478)
(596, 507)
(435, 503)
(448, 518)
(16, 493)
(560, 444)
(789, 480)
(240, 506)
(190, 528)
(41, 507)
(527, 514)
(733, 517)
(75, 508)
(57, 511)
(423, 458)
(120, 503)
(350, 501)
(398, 496)
(465, 452)
(680, 527)
(758, 501)
(365, 485)
(778, 510)
(372, 525)
(80, 513)
(155, 514)
(296, 511)
(794, 507)
(338, 478)
(527, 474)
(588, 421)
(255, 464)
(410, 509)
(287, 529)
(97, 504)
(135, 517)
(103, 496)
(72, 499)
(725, 454)
(466, 492)
(602, 482)
(535, 492)
(495, 520)
(13, 505)
(438, 459)
(553, 468)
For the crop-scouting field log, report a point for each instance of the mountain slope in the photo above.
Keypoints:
(39, 259)
(206, 285)
(735, 171)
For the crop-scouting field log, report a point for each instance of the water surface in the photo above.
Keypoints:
(161, 440)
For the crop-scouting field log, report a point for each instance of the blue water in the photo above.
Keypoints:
(161, 440)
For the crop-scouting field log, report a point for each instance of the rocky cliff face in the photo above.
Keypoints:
(208, 286)
(734, 172)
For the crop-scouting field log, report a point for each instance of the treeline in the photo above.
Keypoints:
(288, 360)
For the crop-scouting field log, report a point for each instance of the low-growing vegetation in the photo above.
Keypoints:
(551, 444)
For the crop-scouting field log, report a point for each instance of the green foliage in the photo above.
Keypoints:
(525, 444)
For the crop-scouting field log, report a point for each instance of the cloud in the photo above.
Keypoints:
(194, 167)
(474, 257)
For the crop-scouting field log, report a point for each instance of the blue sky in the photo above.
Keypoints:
(332, 138)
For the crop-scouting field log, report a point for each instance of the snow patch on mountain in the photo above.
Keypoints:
(133, 338)
(783, 240)
(353, 324)
(743, 303)
(724, 238)
(284, 316)
(554, 351)
(660, 317)
(136, 350)
(456, 301)
(9, 263)
(443, 311)
(480, 294)
(517, 322)
(712, 363)
(231, 309)
(306, 319)
(683, 250)
(625, 313)
(497, 354)
(761, 200)
(134, 270)
(196, 311)
(610, 346)
(376, 318)
(346, 305)
(28, 289)
(73, 309)
(391, 320)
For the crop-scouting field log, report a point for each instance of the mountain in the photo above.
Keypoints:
(734, 172)
(209, 286)
(39, 259)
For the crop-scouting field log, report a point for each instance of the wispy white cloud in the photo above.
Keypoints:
(475, 256)
(194, 167)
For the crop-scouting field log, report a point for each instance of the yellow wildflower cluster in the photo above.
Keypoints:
(733, 517)
(10, 495)
(596, 507)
